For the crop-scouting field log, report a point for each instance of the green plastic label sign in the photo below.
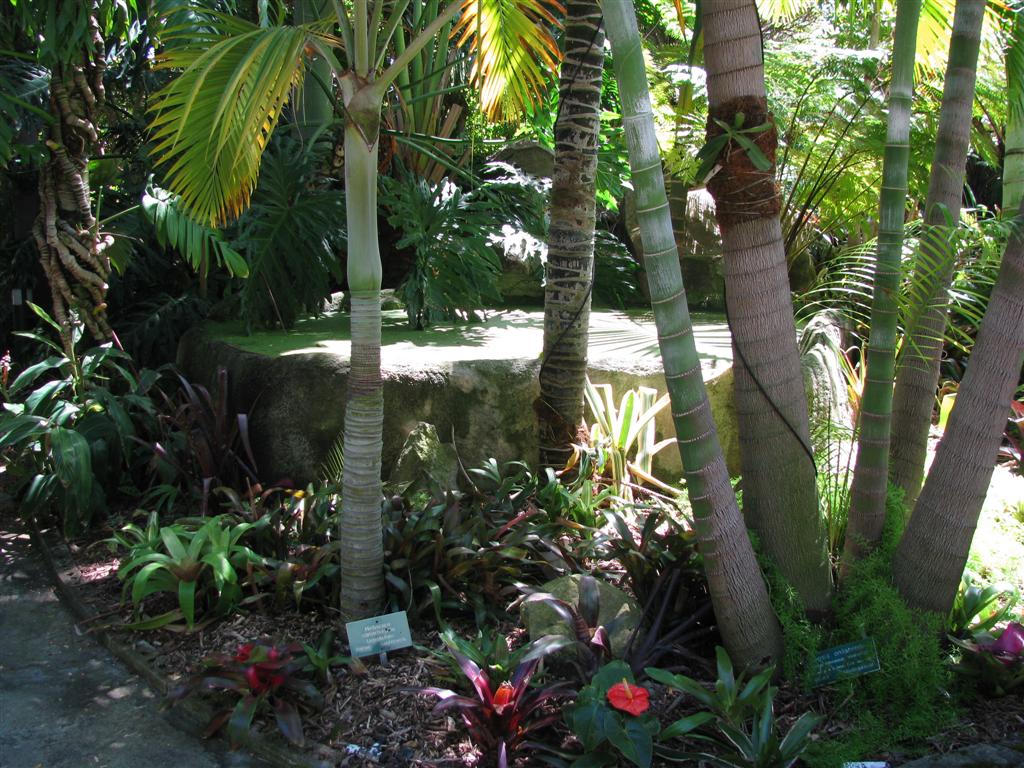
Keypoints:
(379, 634)
(850, 660)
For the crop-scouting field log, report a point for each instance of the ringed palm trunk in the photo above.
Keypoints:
(1013, 147)
(871, 474)
(570, 263)
(779, 487)
(933, 551)
(917, 374)
(743, 611)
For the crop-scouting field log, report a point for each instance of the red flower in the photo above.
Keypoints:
(256, 682)
(629, 698)
(503, 698)
(244, 652)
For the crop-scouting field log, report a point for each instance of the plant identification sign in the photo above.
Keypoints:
(850, 660)
(379, 634)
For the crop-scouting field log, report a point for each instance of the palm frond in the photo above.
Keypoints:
(515, 53)
(211, 123)
(782, 10)
(196, 242)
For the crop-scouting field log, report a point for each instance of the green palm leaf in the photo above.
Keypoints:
(211, 123)
(514, 51)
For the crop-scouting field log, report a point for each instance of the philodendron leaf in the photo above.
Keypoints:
(591, 721)
(632, 736)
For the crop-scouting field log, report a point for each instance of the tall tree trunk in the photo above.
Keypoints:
(742, 608)
(315, 107)
(362, 543)
(570, 264)
(1013, 142)
(871, 475)
(779, 492)
(65, 230)
(917, 374)
(931, 556)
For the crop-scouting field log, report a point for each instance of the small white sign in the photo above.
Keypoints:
(867, 764)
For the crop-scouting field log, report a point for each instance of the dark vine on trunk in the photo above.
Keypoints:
(65, 230)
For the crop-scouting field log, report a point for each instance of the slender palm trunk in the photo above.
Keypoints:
(570, 264)
(871, 475)
(1013, 143)
(917, 374)
(742, 608)
(779, 493)
(933, 551)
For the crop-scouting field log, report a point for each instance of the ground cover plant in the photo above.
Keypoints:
(869, 154)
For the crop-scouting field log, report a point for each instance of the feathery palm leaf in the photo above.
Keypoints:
(514, 51)
(211, 124)
(194, 241)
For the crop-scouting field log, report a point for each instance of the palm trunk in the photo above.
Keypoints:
(933, 552)
(917, 374)
(1013, 143)
(779, 492)
(742, 608)
(871, 475)
(570, 264)
(362, 553)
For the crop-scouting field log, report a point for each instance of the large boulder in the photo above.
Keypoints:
(618, 612)
(425, 462)
(475, 383)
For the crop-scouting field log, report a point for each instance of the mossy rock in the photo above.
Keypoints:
(425, 462)
(619, 613)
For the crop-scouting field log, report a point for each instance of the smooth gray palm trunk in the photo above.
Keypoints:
(933, 551)
(779, 489)
(871, 475)
(743, 611)
(570, 262)
(917, 373)
(1013, 146)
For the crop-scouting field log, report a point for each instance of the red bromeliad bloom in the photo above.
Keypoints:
(502, 698)
(629, 698)
(244, 652)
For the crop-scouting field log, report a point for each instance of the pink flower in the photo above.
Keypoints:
(629, 698)
(1010, 642)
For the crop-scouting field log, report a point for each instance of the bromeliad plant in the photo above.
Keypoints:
(994, 662)
(500, 716)
(266, 677)
(979, 609)
(623, 439)
(200, 567)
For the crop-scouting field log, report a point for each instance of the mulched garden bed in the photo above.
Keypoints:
(371, 717)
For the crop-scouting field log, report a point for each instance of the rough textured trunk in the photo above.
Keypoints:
(917, 374)
(933, 552)
(1013, 145)
(65, 231)
(871, 475)
(743, 611)
(570, 263)
(779, 493)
